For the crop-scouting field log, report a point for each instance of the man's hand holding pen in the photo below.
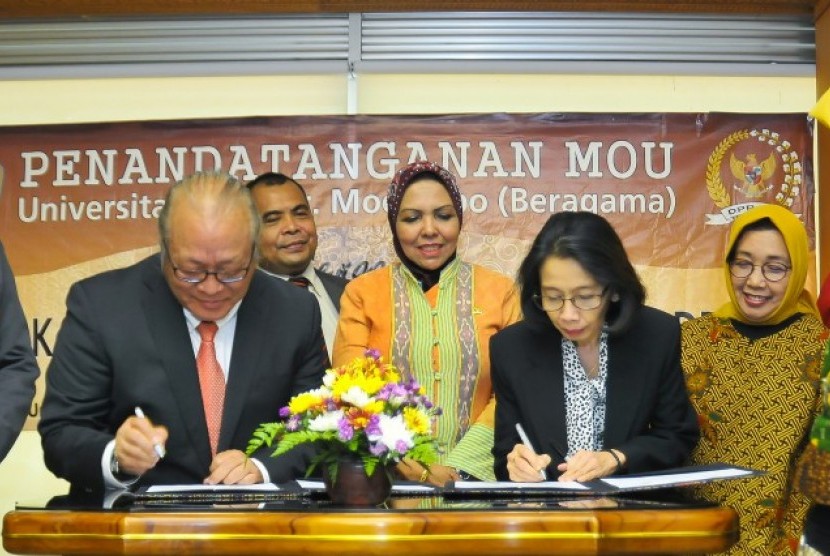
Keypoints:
(526, 466)
(136, 444)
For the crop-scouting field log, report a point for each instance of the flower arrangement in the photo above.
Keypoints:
(820, 433)
(363, 410)
(813, 469)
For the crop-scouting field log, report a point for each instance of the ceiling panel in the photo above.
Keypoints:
(92, 8)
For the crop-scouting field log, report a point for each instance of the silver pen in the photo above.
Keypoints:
(159, 449)
(526, 442)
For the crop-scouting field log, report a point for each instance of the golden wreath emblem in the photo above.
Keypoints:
(752, 174)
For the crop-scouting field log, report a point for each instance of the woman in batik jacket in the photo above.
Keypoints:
(752, 372)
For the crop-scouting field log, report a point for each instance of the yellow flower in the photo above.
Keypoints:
(361, 373)
(416, 420)
(346, 382)
(303, 402)
(374, 407)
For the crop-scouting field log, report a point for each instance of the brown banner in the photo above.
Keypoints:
(78, 199)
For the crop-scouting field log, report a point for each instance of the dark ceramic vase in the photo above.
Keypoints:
(352, 487)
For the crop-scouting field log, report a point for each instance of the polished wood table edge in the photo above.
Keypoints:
(372, 532)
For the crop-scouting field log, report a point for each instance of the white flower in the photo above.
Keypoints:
(356, 396)
(326, 422)
(393, 434)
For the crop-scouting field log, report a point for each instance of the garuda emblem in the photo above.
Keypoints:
(766, 168)
(753, 176)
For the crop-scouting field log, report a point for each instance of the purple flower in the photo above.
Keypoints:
(284, 412)
(293, 424)
(377, 449)
(401, 447)
(373, 427)
(373, 353)
(391, 391)
(344, 430)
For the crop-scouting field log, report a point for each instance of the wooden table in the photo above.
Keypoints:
(526, 529)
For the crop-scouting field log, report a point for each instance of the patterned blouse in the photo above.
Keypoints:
(585, 398)
(755, 400)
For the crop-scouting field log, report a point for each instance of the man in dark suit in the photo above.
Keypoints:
(130, 395)
(288, 242)
(18, 368)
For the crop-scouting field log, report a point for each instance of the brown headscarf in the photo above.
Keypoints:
(403, 179)
(796, 298)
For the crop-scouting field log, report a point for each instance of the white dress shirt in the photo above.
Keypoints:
(328, 311)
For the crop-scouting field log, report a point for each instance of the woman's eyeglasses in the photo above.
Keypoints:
(774, 272)
(583, 301)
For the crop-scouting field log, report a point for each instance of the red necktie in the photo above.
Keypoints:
(300, 281)
(211, 381)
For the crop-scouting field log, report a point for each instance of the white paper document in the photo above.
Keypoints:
(676, 479)
(318, 485)
(259, 487)
(509, 485)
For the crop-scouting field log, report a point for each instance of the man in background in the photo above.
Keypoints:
(162, 370)
(288, 242)
(18, 367)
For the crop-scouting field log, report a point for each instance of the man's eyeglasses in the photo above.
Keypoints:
(583, 301)
(199, 276)
(773, 272)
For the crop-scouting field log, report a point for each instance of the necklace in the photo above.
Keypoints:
(592, 372)
(586, 354)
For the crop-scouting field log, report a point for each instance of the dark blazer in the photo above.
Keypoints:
(124, 343)
(648, 414)
(18, 367)
(334, 286)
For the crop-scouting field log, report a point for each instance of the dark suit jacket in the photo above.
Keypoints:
(18, 367)
(124, 343)
(648, 414)
(334, 286)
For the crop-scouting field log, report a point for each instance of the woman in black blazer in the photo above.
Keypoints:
(591, 374)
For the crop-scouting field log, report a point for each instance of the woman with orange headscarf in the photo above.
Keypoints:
(752, 372)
